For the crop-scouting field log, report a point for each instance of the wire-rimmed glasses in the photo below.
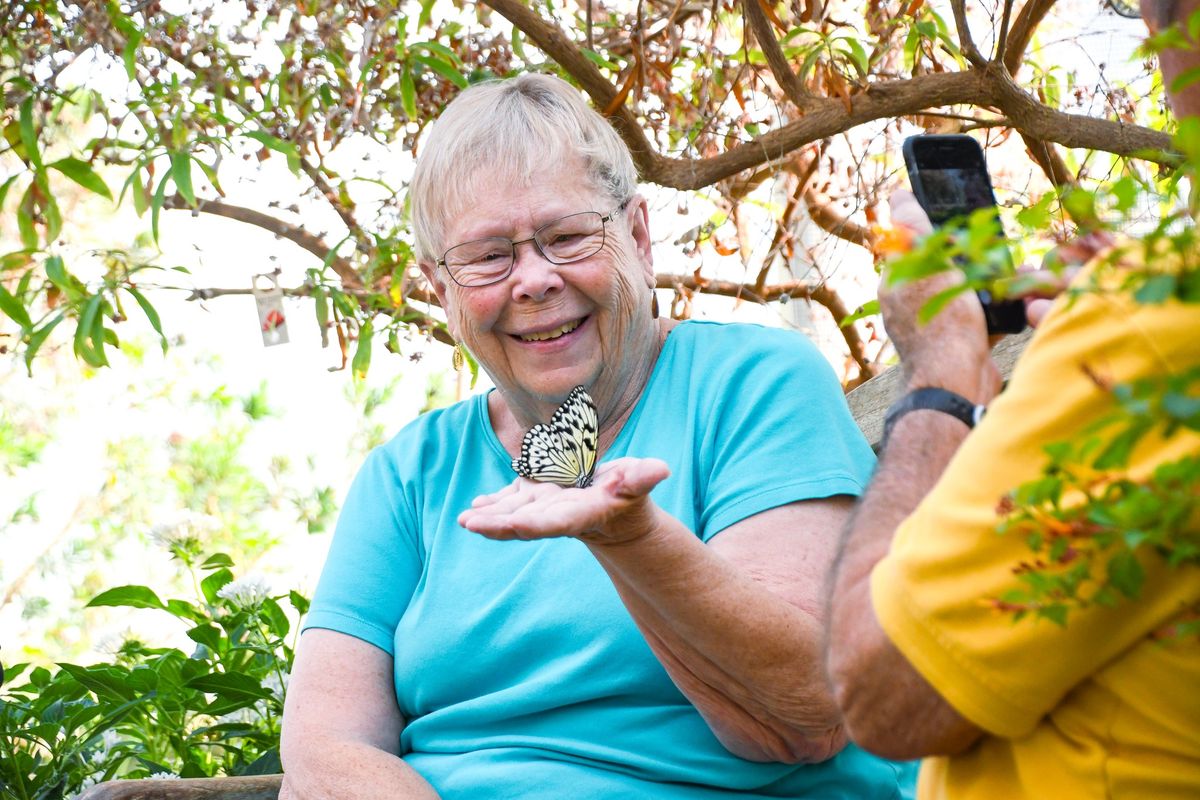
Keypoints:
(562, 241)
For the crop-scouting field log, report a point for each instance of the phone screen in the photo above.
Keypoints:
(952, 192)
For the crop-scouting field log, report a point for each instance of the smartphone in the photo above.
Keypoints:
(950, 179)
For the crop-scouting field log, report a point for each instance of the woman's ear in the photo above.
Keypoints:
(433, 277)
(639, 227)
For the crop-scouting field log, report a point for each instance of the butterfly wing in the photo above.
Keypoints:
(562, 451)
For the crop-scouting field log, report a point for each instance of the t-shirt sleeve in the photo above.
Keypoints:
(373, 564)
(780, 432)
(934, 593)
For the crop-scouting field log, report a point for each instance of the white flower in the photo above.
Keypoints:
(245, 592)
(108, 740)
(163, 776)
(184, 527)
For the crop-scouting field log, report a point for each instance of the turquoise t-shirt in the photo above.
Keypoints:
(518, 670)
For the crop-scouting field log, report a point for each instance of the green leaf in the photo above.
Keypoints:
(288, 149)
(213, 584)
(181, 172)
(1157, 289)
(208, 635)
(217, 560)
(151, 314)
(939, 301)
(104, 681)
(185, 610)
(277, 621)
(447, 71)
(600, 61)
(53, 219)
(25, 229)
(37, 338)
(408, 94)
(133, 596)
(156, 204)
(28, 134)
(4, 187)
(230, 685)
(89, 344)
(867, 309)
(83, 174)
(14, 309)
(129, 54)
(362, 354)
(299, 601)
(321, 306)
(56, 271)
(1126, 574)
(140, 201)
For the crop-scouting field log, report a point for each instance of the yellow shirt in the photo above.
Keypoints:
(1100, 708)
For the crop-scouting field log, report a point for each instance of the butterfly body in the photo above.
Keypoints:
(563, 450)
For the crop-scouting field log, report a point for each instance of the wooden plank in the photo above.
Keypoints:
(258, 787)
(870, 401)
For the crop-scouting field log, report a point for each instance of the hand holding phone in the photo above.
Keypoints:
(949, 178)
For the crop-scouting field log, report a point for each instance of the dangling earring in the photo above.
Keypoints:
(458, 358)
(654, 304)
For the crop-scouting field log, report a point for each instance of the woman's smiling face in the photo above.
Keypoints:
(547, 328)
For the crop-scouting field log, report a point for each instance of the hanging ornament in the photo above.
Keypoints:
(269, 300)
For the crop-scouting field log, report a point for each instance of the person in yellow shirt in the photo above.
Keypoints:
(922, 664)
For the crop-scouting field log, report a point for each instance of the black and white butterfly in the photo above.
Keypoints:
(563, 450)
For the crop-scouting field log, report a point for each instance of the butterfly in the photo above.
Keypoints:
(563, 450)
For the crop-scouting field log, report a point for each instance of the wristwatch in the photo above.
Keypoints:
(932, 398)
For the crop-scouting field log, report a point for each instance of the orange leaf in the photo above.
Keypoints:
(771, 15)
(619, 100)
(722, 249)
(888, 242)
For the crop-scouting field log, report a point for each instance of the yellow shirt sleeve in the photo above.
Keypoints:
(931, 593)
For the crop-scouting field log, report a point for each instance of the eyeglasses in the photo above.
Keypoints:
(565, 240)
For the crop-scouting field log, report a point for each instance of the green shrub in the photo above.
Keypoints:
(154, 710)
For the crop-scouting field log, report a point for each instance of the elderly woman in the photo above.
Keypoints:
(653, 634)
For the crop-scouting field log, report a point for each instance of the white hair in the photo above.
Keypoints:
(510, 131)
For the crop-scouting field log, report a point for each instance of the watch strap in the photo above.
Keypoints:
(932, 398)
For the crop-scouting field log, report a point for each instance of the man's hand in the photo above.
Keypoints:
(615, 509)
(951, 350)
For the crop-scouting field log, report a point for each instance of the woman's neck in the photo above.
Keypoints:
(615, 399)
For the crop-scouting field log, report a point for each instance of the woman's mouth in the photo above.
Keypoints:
(561, 330)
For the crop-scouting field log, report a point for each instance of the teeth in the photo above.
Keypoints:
(554, 334)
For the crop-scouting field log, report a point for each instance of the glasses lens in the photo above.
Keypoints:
(571, 238)
(479, 262)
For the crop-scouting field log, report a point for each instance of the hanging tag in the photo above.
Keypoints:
(271, 321)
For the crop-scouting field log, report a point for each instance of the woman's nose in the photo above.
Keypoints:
(534, 276)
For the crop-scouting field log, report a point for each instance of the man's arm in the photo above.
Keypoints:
(889, 708)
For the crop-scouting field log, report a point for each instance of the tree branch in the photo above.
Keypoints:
(965, 41)
(555, 43)
(820, 294)
(425, 322)
(827, 117)
(1002, 39)
(764, 34)
(1026, 22)
(293, 233)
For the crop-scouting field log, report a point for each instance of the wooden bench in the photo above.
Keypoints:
(867, 403)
